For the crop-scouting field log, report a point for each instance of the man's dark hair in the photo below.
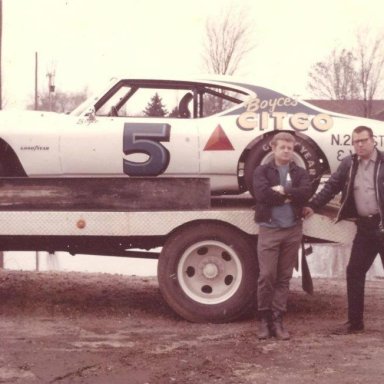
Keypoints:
(362, 128)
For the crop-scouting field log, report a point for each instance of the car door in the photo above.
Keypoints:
(136, 129)
(155, 146)
(118, 146)
(160, 131)
(92, 147)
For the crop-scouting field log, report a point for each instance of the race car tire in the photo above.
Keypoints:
(305, 156)
(207, 272)
(2, 170)
(10, 165)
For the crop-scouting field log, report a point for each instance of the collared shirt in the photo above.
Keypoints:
(364, 187)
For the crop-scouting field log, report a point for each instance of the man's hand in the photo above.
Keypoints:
(307, 212)
(279, 189)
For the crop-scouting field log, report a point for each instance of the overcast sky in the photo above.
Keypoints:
(89, 41)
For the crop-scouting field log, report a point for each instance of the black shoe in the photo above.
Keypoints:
(348, 328)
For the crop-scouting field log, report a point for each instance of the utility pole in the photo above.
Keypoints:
(36, 80)
(1, 46)
(1, 92)
(51, 86)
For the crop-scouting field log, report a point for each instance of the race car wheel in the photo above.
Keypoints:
(10, 165)
(305, 156)
(207, 272)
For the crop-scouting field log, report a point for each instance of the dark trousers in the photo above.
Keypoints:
(277, 250)
(366, 245)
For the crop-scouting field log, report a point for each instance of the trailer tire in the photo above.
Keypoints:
(306, 156)
(208, 271)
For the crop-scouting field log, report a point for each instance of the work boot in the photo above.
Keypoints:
(277, 326)
(264, 326)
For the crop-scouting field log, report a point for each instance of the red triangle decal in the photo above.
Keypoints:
(218, 141)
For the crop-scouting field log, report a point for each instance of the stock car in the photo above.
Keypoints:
(218, 128)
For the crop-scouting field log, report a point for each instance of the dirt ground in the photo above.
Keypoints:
(100, 328)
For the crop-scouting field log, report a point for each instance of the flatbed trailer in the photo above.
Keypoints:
(207, 263)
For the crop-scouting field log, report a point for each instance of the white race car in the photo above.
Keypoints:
(219, 128)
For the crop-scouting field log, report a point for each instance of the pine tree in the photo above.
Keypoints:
(175, 112)
(155, 108)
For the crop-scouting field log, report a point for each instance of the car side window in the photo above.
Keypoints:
(155, 102)
(136, 101)
(215, 100)
(168, 100)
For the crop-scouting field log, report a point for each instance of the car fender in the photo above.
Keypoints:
(32, 138)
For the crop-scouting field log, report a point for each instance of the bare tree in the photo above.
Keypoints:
(59, 101)
(351, 74)
(370, 56)
(335, 78)
(228, 40)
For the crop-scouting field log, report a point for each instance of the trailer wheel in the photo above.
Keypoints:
(305, 156)
(207, 272)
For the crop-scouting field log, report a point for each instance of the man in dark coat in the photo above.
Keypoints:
(360, 178)
(281, 189)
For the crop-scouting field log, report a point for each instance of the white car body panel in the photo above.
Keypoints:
(85, 144)
(34, 136)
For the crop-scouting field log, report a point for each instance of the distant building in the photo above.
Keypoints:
(351, 107)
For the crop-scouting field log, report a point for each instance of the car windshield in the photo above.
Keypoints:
(79, 110)
(91, 101)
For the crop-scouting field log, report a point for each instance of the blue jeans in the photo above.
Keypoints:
(366, 245)
(277, 251)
